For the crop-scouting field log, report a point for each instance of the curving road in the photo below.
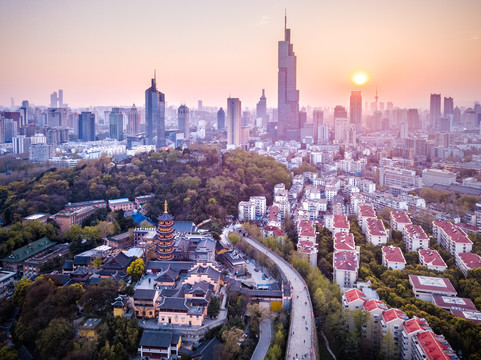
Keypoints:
(300, 344)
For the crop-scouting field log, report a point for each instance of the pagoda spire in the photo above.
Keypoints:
(165, 207)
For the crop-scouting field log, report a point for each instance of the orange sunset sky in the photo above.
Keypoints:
(104, 52)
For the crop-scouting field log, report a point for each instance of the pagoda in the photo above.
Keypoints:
(164, 237)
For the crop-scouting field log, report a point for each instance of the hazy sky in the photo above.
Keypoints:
(104, 52)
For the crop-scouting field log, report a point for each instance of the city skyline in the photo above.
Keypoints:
(409, 50)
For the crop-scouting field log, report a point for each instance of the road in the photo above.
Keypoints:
(300, 344)
(264, 340)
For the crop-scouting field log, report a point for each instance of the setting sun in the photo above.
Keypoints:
(360, 78)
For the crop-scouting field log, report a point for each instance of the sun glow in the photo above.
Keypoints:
(360, 78)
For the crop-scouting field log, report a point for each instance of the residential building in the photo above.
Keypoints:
(393, 258)
(365, 212)
(467, 262)
(353, 299)
(389, 176)
(344, 242)
(345, 268)
(451, 237)
(86, 126)
(415, 238)
(375, 231)
(451, 303)
(398, 220)
(393, 320)
(338, 224)
(428, 345)
(411, 327)
(432, 260)
(121, 204)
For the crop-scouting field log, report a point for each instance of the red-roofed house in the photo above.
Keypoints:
(468, 261)
(274, 218)
(344, 242)
(425, 286)
(306, 231)
(393, 258)
(470, 315)
(451, 237)
(414, 237)
(338, 223)
(392, 320)
(273, 231)
(375, 308)
(375, 231)
(308, 250)
(353, 299)
(346, 265)
(428, 345)
(432, 260)
(365, 212)
(411, 327)
(399, 219)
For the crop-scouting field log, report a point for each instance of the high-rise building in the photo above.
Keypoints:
(116, 124)
(355, 110)
(448, 106)
(60, 98)
(155, 115)
(261, 109)
(57, 117)
(413, 120)
(318, 120)
(24, 113)
(234, 122)
(287, 94)
(133, 126)
(183, 118)
(434, 110)
(340, 112)
(53, 100)
(86, 126)
(221, 120)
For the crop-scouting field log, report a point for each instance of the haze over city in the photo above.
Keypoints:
(104, 53)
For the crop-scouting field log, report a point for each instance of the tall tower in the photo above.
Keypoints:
(183, 118)
(155, 114)
(60, 98)
(221, 120)
(53, 100)
(287, 94)
(86, 126)
(116, 124)
(234, 122)
(355, 110)
(261, 109)
(448, 106)
(133, 126)
(434, 110)
(164, 237)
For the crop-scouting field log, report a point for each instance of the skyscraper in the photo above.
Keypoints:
(116, 124)
(355, 110)
(155, 115)
(233, 122)
(86, 126)
(448, 106)
(183, 118)
(413, 120)
(221, 120)
(287, 94)
(53, 100)
(261, 109)
(434, 110)
(340, 112)
(60, 98)
(133, 126)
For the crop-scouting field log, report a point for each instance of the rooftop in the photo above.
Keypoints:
(432, 284)
(400, 217)
(470, 260)
(392, 253)
(340, 222)
(431, 257)
(455, 233)
(366, 211)
(29, 250)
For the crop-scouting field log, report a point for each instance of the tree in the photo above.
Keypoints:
(388, 349)
(20, 291)
(146, 224)
(214, 307)
(55, 340)
(97, 262)
(231, 342)
(136, 269)
(256, 315)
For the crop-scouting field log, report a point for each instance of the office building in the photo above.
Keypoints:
(448, 106)
(86, 127)
(57, 117)
(340, 112)
(183, 119)
(155, 115)
(53, 100)
(233, 122)
(355, 110)
(133, 126)
(116, 124)
(261, 109)
(434, 110)
(221, 120)
(287, 96)
(413, 120)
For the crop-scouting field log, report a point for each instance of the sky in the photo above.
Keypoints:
(105, 52)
